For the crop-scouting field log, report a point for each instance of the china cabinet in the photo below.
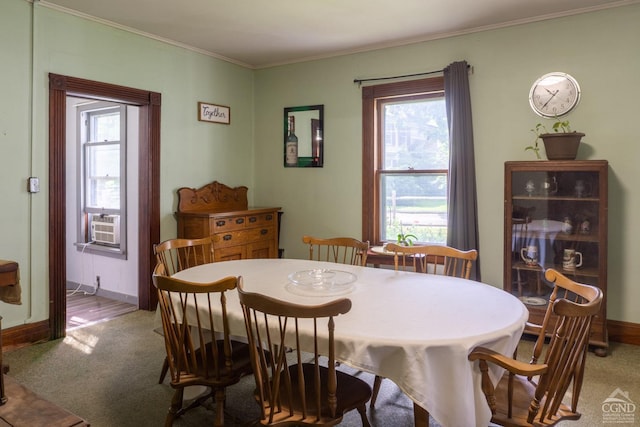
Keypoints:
(555, 216)
(222, 212)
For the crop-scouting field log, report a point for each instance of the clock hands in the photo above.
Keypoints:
(553, 94)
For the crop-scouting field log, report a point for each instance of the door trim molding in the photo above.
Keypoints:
(148, 180)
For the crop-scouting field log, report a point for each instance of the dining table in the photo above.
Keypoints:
(414, 329)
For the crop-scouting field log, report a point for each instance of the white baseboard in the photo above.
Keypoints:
(130, 299)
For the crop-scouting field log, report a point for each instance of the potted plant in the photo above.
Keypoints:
(406, 239)
(560, 144)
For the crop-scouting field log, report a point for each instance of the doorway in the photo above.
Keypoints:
(102, 210)
(149, 104)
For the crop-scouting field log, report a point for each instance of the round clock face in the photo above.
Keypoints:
(554, 94)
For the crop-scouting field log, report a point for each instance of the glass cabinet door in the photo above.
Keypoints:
(555, 217)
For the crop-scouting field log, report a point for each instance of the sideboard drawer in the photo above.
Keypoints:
(222, 224)
(242, 237)
(261, 220)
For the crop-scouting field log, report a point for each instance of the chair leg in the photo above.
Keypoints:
(176, 405)
(165, 369)
(3, 370)
(376, 388)
(363, 414)
(220, 403)
(420, 416)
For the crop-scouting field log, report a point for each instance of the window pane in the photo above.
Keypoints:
(103, 176)
(416, 135)
(414, 204)
(105, 126)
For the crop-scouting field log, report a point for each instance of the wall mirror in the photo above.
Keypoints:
(304, 136)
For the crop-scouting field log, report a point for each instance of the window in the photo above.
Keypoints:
(102, 142)
(405, 161)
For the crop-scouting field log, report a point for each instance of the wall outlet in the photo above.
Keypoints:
(34, 184)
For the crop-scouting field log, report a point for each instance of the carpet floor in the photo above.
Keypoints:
(107, 373)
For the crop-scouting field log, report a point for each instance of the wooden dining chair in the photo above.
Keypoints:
(532, 394)
(432, 259)
(304, 392)
(177, 254)
(193, 356)
(343, 250)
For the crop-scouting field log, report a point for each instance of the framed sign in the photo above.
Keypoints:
(214, 113)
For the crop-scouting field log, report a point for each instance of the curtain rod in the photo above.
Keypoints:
(426, 73)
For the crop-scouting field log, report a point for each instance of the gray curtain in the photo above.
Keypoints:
(462, 221)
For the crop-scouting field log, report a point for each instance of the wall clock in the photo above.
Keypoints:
(554, 94)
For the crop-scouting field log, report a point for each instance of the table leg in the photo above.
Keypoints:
(420, 416)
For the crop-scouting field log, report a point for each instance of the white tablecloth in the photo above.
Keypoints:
(415, 329)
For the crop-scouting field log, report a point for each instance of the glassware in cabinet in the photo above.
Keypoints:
(556, 217)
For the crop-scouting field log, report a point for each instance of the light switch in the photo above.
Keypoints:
(34, 184)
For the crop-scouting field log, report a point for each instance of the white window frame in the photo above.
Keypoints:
(84, 114)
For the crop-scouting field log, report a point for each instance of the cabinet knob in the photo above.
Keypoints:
(220, 223)
(253, 219)
(269, 217)
(239, 220)
(264, 231)
(227, 237)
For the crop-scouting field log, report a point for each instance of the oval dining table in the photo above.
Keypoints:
(415, 329)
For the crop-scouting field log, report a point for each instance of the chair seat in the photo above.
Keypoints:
(350, 393)
(241, 366)
(523, 392)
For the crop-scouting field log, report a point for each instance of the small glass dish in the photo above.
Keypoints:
(321, 282)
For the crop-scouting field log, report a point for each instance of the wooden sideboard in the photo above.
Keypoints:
(222, 212)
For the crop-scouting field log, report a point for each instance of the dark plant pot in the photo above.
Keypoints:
(561, 146)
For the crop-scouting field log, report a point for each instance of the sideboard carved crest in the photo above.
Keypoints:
(213, 197)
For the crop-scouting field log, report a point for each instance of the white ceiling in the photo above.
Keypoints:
(261, 33)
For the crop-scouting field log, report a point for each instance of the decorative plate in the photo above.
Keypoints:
(533, 300)
(321, 282)
(381, 250)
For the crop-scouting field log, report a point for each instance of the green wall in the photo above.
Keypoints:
(324, 201)
(506, 62)
(193, 153)
(15, 149)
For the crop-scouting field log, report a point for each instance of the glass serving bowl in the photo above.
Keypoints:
(321, 282)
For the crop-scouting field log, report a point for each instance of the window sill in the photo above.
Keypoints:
(102, 250)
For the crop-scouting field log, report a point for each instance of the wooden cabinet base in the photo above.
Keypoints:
(25, 408)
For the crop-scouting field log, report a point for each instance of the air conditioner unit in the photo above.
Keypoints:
(105, 229)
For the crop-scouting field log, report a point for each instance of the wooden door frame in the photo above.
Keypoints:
(149, 186)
